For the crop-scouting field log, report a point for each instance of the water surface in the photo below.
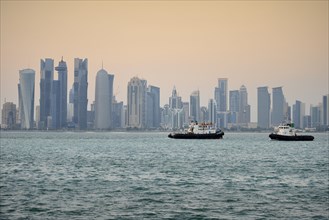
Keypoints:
(113, 175)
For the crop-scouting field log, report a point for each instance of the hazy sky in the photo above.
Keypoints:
(187, 44)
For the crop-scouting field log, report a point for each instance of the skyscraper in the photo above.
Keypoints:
(136, 103)
(298, 110)
(175, 101)
(244, 107)
(62, 78)
(80, 93)
(153, 107)
(263, 107)
(195, 106)
(279, 107)
(103, 100)
(234, 106)
(221, 95)
(26, 97)
(8, 115)
(46, 82)
(55, 106)
(212, 112)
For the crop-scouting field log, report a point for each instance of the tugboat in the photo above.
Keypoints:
(199, 131)
(286, 132)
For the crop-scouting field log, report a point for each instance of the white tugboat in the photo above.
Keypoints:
(287, 132)
(199, 131)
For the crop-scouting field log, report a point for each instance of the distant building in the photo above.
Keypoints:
(234, 106)
(177, 113)
(46, 83)
(222, 119)
(212, 111)
(118, 113)
(8, 115)
(315, 116)
(26, 97)
(279, 107)
(263, 107)
(221, 94)
(136, 103)
(166, 121)
(244, 107)
(37, 116)
(175, 101)
(62, 80)
(186, 111)
(307, 121)
(91, 117)
(195, 106)
(298, 110)
(325, 104)
(80, 93)
(153, 107)
(54, 120)
(103, 100)
(204, 114)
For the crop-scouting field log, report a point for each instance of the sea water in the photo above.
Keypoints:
(118, 175)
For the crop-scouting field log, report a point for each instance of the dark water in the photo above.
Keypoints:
(149, 176)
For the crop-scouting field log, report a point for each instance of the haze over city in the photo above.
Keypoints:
(186, 44)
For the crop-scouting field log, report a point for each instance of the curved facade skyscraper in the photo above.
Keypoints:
(103, 100)
(26, 97)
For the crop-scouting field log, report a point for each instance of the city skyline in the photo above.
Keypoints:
(143, 105)
(189, 45)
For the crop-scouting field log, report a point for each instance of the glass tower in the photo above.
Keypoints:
(263, 107)
(80, 93)
(26, 97)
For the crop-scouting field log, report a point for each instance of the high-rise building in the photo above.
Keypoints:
(221, 95)
(80, 93)
(279, 107)
(234, 106)
(166, 117)
(103, 100)
(186, 109)
(195, 106)
(55, 106)
(118, 119)
(307, 121)
(8, 115)
(325, 105)
(315, 116)
(46, 83)
(298, 110)
(37, 116)
(212, 112)
(263, 107)
(244, 107)
(136, 103)
(204, 114)
(26, 97)
(175, 101)
(62, 79)
(153, 107)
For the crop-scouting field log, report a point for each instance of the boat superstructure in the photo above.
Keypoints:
(199, 131)
(287, 132)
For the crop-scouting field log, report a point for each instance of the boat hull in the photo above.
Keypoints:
(218, 135)
(291, 138)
